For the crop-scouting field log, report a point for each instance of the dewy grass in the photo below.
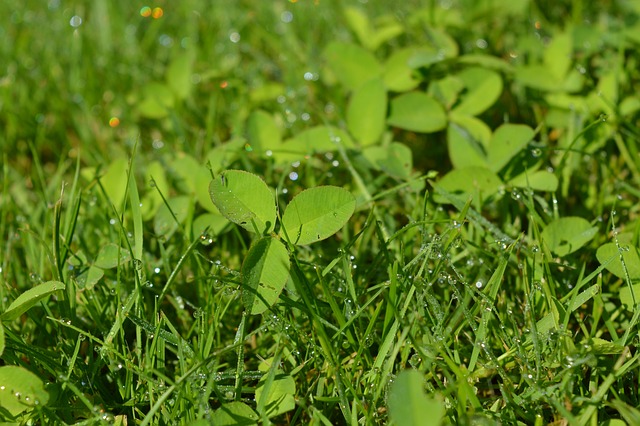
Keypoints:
(465, 249)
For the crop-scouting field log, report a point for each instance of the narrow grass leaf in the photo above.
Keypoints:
(317, 213)
(234, 413)
(244, 199)
(30, 298)
(409, 405)
(264, 273)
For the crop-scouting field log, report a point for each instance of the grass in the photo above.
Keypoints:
(508, 284)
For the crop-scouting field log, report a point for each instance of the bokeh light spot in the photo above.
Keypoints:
(145, 12)
(157, 13)
(114, 122)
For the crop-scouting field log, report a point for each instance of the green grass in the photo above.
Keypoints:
(493, 248)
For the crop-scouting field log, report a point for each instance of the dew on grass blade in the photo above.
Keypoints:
(75, 21)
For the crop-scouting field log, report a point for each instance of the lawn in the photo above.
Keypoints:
(320, 212)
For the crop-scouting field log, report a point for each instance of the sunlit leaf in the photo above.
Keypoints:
(568, 234)
(408, 403)
(244, 199)
(417, 112)
(507, 141)
(367, 111)
(352, 64)
(482, 88)
(264, 273)
(316, 214)
(20, 390)
(280, 398)
(234, 413)
(111, 255)
(30, 298)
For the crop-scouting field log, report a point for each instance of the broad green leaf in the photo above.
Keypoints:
(234, 413)
(114, 181)
(186, 168)
(157, 100)
(507, 141)
(446, 90)
(483, 88)
(609, 255)
(478, 182)
(630, 301)
(179, 74)
(89, 278)
(319, 139)
(316, 214)
(417, 112)
(281, 394)
(224, 154)
(367, 111)
(467, 141)
(212, 222)
(441, 46)
(398, 75)
(244, 199)
(30, 298)
(152, 200)
(541, 180)
(385, 32)
(409, 405)
(20, 390)
(111, 255)
(538, 77)
(1, 339)
(487, 62)
(568, 234)
(351, 64)
(263, 132)
(360, 25)
(395, 159)
(558, 55)
(171, 215)
(264, 273)
(266, 91)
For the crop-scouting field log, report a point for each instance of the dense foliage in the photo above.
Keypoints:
(320, 212)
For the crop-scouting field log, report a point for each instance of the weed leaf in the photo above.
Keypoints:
(417, 112)
(244, 199)
(568, 234)
(352, 65)
(264, 273)
(483, 88)
(111, 255)
(507, 141)
(409, 405)
(280, 397)
(234, 413)
(20, 390)
(366, 112)
(29, 298)
(317, 213)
